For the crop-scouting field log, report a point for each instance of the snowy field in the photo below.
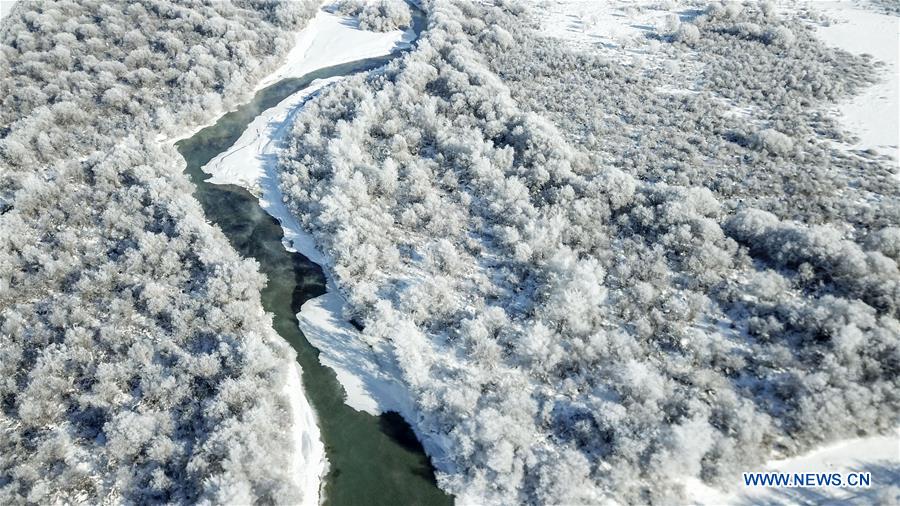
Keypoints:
(331, 39)
(5, 7)
(619, 29)
(874, 114)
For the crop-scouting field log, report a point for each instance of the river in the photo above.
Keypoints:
(373, 460)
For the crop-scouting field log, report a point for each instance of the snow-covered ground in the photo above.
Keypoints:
(874, 114)
(250, 163)
(343, 349)
(240, 164)
(5, 7)
(618, 30)
(330, 40)
(877, 455)
(309, 463)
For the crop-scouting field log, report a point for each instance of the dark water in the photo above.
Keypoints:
(373, 460)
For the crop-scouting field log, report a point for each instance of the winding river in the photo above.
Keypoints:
(372, 460)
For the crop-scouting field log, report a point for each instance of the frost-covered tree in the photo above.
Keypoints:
(376, 15)
(136, 362)
(385, 15)
(592, 288)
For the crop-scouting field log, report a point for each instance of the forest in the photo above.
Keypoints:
(593, 288)
(593, 279)
(377, 15)
(136, 362)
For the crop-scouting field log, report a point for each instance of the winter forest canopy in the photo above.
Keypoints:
(377, 15)
(591, 287)
(136, 362)
(593, 279)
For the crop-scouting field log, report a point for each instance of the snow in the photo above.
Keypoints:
(343, 349)
(330, 40)
(618, 29)
(586, 25)
(251, 163)
(241, 163)
(615, 29)
(309, 462)
(879, 455)
(874, 114)
(5, 7)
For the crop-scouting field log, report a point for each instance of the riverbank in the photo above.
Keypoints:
(327, 40)
(330, 40)
(251, 164)
(309, 463)
(375, 459)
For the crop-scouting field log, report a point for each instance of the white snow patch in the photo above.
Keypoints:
(874, 114)
(879, 455)
(616, 29)
(344, 350)
(329, 40)
(5, 7)
(587, 24)
(244, 163)
(309, 462)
